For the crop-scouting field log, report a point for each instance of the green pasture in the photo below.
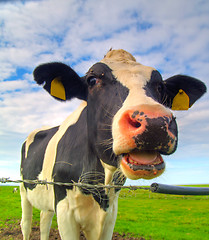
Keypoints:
(141, 213)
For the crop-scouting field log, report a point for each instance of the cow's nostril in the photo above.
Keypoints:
(134, 123)
(172, 127)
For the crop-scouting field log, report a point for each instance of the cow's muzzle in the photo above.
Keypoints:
(144, 133)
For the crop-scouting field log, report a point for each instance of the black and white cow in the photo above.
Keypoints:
(120, 130)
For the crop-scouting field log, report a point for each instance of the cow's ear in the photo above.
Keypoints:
(182, 91)
(61, 81)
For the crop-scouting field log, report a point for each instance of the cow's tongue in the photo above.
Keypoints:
(143, 158)
(142, 164)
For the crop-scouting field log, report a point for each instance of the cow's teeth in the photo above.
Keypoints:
(132, 161)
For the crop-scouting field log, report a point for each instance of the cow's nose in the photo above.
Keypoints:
(145, 127)
(137, 120)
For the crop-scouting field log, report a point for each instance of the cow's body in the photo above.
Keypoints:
(85, 212)
(119, 131)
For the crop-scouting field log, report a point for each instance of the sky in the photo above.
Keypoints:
(171, 36)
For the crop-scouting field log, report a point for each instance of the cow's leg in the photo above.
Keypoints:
(103, 229)
(68, 228)
(45, 223)
(27, 212)
(108, 224)
(105, 232)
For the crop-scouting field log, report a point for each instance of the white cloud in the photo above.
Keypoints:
(172, 36)
(25, 112)
(13, 85)
(34, 33)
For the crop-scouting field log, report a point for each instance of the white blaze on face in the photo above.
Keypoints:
(133, 76)
(130, 74)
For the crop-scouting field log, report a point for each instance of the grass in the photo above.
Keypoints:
(142, 213)
(160, 216)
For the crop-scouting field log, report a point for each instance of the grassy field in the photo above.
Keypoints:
(142, 213)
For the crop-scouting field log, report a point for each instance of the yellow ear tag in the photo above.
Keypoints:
(180, 101)
(57, 89)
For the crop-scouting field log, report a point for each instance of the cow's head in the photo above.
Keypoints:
(128, 109)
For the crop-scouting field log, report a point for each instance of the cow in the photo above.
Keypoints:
(15, 190)
(121, 130)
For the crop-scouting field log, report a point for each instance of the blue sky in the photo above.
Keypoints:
(172, 36)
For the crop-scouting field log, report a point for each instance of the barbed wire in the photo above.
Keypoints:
(154, 187)
(77, 184)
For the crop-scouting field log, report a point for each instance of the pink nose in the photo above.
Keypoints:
(148, 124)
(135, 119)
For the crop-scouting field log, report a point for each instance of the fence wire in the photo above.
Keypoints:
(77, 184)
(155, 187)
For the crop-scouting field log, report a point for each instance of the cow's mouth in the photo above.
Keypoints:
(142, 164)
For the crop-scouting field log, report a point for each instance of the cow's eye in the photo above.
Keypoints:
(92, 81)
(160, 88)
